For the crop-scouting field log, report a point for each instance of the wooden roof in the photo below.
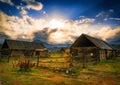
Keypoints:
(22, 45)
(86, 41)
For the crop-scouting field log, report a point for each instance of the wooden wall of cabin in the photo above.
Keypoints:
(24, 53)
(102, 54)
(118, 53)
(17, 53)
(6, 52)
(90, 54)
(107, 54)
(84, 56)
(86, 50)
(41, 53)
(29, 53)
(74, 51)
(112, 54)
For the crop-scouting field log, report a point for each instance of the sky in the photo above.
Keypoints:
(59, 21)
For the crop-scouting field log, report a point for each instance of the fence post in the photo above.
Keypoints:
(84, 61)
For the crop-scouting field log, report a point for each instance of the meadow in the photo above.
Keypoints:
(106, 72)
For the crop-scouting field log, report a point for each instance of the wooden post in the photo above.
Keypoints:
(98, 55)
(106, 57)
(8, 59)
(70, 62)
(38, 60)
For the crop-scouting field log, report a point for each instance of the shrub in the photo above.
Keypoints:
(26, 65)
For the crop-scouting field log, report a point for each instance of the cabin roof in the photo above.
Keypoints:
(96, 42)
(22, 45)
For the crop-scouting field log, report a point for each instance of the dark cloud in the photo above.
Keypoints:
(41, 35)
(3, 37)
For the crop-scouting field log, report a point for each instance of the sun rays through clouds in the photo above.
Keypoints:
(54, 28)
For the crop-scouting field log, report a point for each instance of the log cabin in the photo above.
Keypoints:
(23, 48)
(92, 48)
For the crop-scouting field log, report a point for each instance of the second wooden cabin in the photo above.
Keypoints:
(90, 48)
(23, 48)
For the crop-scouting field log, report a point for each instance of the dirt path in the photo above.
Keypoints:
(90, 78)
(1, 83)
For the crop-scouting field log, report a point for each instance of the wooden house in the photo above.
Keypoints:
(22, 48)
(87, 47)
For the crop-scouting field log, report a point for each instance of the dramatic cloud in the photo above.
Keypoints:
(32, 4)
(7, 1)
(54, 30)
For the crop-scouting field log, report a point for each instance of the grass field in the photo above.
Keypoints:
(106, 72)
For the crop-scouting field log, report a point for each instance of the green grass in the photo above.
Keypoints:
(107, 66)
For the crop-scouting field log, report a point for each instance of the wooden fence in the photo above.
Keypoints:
(53, 62)
(59, 62)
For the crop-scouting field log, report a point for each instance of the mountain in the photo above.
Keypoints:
(44, 43)
(115, 42)
(117, 46)
(53, 47)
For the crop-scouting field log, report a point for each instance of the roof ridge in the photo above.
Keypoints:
(15, 40)
(93, 37)
(22, 41)
(15, 44)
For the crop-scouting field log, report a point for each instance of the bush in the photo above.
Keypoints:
(26, 65)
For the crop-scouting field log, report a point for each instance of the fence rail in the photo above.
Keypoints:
(60, 62)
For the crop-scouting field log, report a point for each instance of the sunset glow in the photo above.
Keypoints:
(54, 23)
